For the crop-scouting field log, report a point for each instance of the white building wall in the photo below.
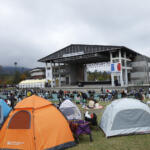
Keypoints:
(138, 75)
(37, 74)
(138, 64)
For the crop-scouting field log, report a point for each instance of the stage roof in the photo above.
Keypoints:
(80, 53)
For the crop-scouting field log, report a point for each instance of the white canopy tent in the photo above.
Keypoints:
(125, 116)
(32, 83)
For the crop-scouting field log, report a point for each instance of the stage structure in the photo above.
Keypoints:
(68, 66)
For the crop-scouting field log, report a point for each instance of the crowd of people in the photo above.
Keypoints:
(15, 95)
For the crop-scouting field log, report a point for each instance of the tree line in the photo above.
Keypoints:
(12, 78)
(99, 76)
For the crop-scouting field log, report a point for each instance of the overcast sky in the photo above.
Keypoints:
(32, 29)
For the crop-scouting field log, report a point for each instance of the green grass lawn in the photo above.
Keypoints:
(100, 142)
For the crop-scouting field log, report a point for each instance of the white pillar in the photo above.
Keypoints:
(49, 73)
(112, 75)
(54, 75)
(59, 76)
(51, 66)
(112, 80)
(46, 69)
(126, 71)
(120, 61)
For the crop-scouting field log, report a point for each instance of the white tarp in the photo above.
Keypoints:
(125, 116)
(70, 110)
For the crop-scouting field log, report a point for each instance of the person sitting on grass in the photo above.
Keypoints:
(78, 98)
(91, 104)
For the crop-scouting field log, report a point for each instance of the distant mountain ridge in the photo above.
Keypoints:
(11, 70)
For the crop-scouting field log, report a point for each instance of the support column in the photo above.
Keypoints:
(59, 76)
(69, 79)
(46, 71)
(126, 71)
(112, 75)
(112, 80)
(67, 73)
(51, 66)
(52, 83)
(49, 73)
(121, 77)
(85, 73)
(54, 75)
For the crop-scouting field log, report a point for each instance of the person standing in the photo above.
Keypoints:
(12, 99)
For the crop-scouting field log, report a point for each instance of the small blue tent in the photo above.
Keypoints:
(4, 110)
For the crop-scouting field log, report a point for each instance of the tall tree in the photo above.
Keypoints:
(17, 76)
(0, 68)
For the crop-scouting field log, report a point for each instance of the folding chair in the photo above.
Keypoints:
(80, 127)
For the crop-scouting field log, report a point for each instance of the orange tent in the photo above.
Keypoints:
(35, 124)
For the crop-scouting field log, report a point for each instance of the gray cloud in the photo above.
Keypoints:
(30, 30)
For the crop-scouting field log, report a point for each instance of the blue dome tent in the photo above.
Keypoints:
(4, 111)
